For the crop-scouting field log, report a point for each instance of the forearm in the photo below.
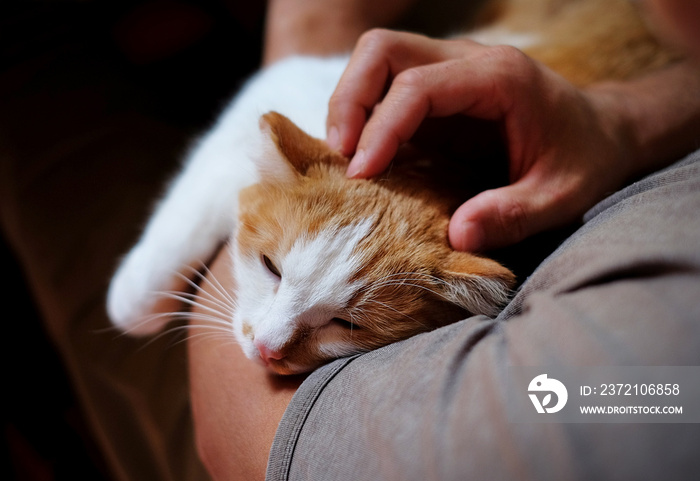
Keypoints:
(236, 403)
(323, 27)
(657, 117)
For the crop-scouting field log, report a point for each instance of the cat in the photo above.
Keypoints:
(334, 266)
(324, 266)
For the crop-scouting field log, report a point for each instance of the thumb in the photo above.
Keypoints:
(500, 217)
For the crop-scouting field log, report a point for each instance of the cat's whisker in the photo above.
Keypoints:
(204, 333)
(201, 293)
(425, 288)
(197, 291)
(210, 322)
(418, 277)
(170, 331)
(197, 316)
(399, 312)
(194, 302)
(390, 280)
(197, 301)
(208, 277)
(213, 281)
(136, 327)
(200, 331)
(203, 326)
(353, 322)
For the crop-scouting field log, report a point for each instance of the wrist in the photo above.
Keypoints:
(655, 119)
(617, 118)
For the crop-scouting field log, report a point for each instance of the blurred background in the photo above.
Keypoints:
(65, 65)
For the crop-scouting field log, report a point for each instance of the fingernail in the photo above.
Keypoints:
(333, 138)
(469, 237)
(357, 164)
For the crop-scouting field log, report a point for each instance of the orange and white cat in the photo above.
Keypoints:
(324, 266)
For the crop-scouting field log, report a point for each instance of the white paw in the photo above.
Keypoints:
(137, 300)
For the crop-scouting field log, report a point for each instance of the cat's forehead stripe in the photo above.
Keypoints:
(324, 264)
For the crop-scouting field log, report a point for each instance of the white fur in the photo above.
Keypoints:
(336, 349)
(199, 208)
(315, 286)
(478, 294)
(504, 36)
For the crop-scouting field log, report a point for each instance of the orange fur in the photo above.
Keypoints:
(586, 40)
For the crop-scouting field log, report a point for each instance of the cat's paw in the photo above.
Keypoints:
(139, 300)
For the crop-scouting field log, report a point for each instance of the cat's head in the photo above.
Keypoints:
(326, 266)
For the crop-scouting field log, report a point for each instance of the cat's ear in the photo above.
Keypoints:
(476, 284)
(289, 151)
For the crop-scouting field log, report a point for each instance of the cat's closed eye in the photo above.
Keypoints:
(271, 266)
(344, 324)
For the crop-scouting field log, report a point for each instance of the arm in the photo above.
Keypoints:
(236, 403)
(659, 115)
(323, 27)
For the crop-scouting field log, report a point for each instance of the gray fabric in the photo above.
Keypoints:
(623, 290)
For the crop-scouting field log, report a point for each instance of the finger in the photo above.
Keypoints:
(380, 55)
(479, 85)
(502, 217)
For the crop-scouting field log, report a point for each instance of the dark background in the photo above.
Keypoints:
(175, 60)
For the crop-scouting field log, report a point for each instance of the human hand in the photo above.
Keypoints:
(567, 147)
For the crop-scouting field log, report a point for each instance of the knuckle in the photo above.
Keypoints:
(508, 54)
(515, 219)
(511, 216)
(336, 101)
(509, 61)
(376, 39)
(410, 79)
(513, 75)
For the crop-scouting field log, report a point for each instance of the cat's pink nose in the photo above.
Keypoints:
(267, 354)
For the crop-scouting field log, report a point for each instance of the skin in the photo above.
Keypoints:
(237, 405)
(323, 27)
(678, 21)
(224, 384)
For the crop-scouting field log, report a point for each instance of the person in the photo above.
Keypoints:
(620, 291)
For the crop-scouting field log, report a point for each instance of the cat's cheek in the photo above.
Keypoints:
(250, 351)
(243, 334)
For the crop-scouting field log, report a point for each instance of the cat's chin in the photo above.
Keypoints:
(282, 370)
(282, 367)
